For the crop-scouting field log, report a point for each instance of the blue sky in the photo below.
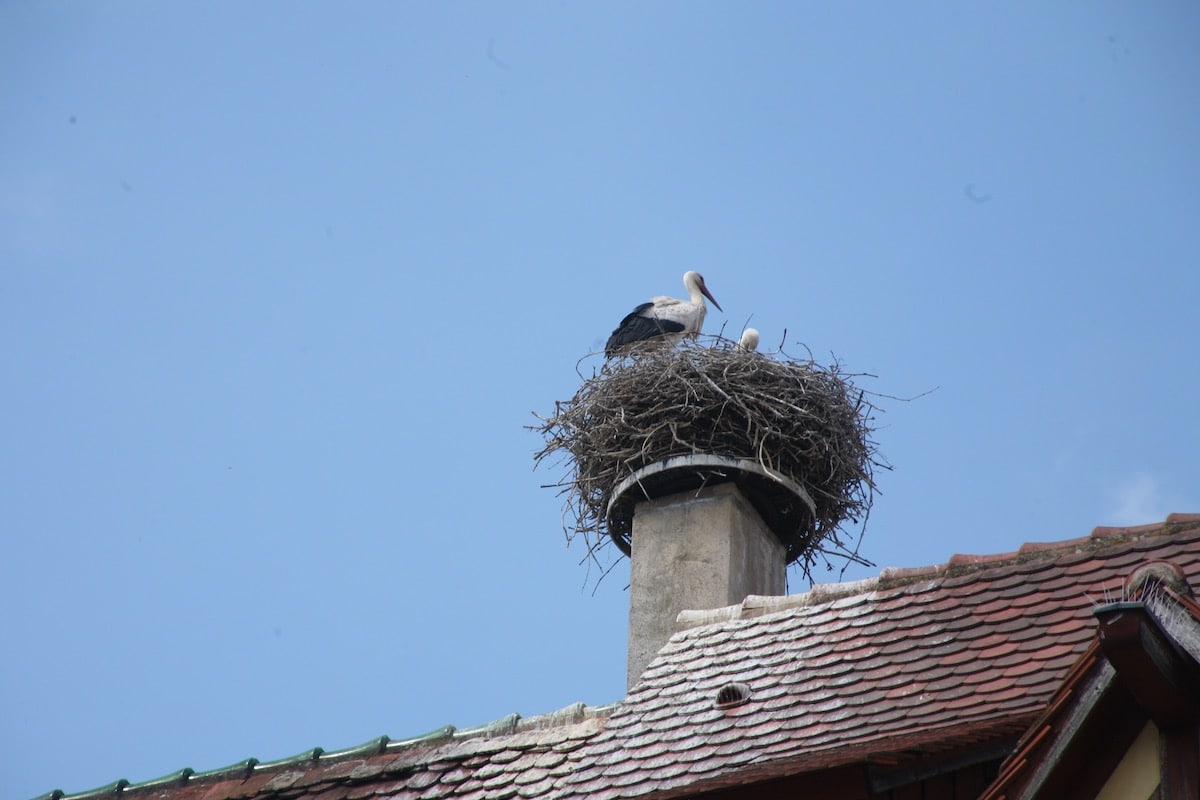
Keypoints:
(282, 284)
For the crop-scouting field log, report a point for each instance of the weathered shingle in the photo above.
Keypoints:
(918, 661)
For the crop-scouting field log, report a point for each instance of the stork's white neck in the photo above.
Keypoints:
(691, 282)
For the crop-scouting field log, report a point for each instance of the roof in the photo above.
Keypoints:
(1143, 662)
(891, 669)
(890, 672)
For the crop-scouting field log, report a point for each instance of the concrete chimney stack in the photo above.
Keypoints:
(695, 550)
(701, 463)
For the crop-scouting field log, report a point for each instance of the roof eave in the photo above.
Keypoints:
(1159, 676)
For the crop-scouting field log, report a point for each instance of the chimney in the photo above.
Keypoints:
(701, 464)
(697, 549)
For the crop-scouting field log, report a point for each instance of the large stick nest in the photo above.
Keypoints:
(796, 418)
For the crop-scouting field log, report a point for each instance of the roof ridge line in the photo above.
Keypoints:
(1173, 523)
(1101, 537)
(760, 605)
(572, 714)
(958, 564)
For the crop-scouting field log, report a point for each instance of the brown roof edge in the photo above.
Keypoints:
(959, 564)
(1100, 538)
(1173, 522)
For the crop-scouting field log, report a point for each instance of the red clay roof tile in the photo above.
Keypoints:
(336, 791)
(998, 646)
(920, 660)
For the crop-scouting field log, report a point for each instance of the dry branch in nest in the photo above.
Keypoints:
(795, 418)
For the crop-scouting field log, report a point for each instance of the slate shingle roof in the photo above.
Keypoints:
(911, 664)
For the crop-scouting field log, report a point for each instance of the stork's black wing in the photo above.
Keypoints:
(637, 327)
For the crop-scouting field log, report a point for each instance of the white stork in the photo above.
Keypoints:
(749, 340)
(664, 316)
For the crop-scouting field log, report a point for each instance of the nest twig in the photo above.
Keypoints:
(793, 417)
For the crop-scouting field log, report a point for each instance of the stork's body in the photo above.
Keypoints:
(665, 317)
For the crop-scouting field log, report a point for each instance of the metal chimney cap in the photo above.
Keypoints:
(784, 505)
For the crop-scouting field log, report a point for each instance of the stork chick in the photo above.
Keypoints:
(749, 340)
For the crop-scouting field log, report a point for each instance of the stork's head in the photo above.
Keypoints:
(694, 282)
